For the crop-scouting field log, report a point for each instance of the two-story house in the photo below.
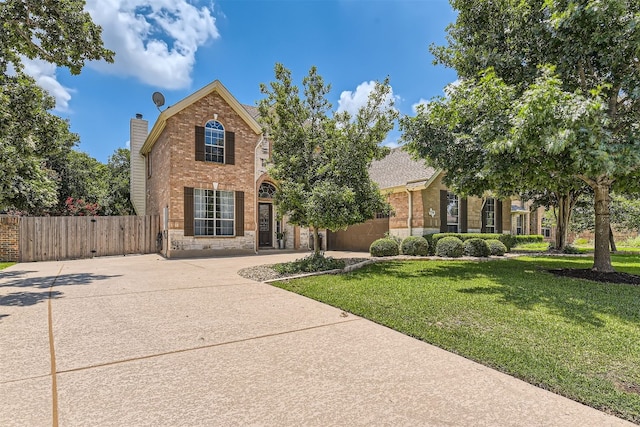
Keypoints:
(201, 168)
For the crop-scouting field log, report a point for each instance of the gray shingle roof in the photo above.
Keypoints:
(398, 168)
(253, 111)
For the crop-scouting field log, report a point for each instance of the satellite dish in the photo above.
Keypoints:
(158, 99)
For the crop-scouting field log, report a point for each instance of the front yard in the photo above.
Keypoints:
(4, 265)
(574, 337)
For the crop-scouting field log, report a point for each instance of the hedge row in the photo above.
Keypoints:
(509, 240)
(428, 244)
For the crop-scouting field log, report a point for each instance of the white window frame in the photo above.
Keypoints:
(214, 142)
(212, 217)
(490, 215)
(519, 225)
(453, 201)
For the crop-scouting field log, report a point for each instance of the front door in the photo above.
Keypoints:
(265, 221)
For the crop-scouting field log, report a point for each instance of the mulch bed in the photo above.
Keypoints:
(597, 276)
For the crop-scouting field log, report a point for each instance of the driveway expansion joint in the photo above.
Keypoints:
(220, 344)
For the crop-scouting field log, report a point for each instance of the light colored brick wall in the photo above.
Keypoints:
(474, 215)
(9, 238)
(400, 210)
(431, 202)
(427, 201)
(173, 161)
(418, 217)
(506, 216)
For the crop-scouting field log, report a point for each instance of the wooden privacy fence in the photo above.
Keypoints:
(74, 237)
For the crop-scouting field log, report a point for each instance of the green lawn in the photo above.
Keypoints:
(577, 338)
(4, 265)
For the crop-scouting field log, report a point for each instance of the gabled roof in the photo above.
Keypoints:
(253, 111)
(215, 86)
(399, 169)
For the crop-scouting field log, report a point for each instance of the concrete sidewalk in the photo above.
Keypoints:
(144, 341)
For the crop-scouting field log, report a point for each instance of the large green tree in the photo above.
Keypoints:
(80, 177)
(29, 136)
(118, 199)
(321, 159)
(59, 32)
(570, 72)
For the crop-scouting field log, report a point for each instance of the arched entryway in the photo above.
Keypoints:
(266, 222)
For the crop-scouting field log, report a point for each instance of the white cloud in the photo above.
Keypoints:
(422, 101)
(44, 74)
(448, 88)
(447, 91)
(391, 143)
(352, 101)
(154, 40)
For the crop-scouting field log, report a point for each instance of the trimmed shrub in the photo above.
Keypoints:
(496, 247)
(310, 264)
(450, 247)
(476, 247)
(570, 250)
(384, 247)
(508, 240)
(415, 245)
(528, 238)
(397, 239)
(431, 242)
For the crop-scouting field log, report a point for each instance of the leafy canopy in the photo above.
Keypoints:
(553, 100)
(319, 159)
(59, 32)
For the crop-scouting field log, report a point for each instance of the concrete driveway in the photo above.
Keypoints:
(144, 341)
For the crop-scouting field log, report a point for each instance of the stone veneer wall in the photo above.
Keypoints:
(9, 238)
(181, 246)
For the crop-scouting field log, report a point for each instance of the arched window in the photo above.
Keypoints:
(266, 191)
(214, 142)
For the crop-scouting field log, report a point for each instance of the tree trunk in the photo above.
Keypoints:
(563, 217)
(602, 256)
(316, 241)
(612, 242)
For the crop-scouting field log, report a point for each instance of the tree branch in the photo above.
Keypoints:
(41, 52)
(583, 77)
(589, 181)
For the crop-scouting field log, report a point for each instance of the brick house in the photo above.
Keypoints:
(422, 204)
(201, 168)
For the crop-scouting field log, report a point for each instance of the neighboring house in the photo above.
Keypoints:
(422, 204)
(201, 168)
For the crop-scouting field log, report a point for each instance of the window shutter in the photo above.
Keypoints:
(483, 218)
(229, 148)
(188, 211)
(443, 211)
(199, 144)
(499, 216)
(462, 212)
(239, 213)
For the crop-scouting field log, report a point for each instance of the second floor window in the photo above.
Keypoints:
(214, 142)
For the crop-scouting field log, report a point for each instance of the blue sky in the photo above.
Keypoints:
(179, 46)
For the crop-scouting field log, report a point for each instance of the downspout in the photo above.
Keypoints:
(255, 192)
(410, 215)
